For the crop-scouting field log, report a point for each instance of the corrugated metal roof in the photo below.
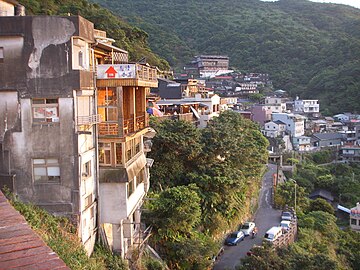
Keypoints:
(20, 246)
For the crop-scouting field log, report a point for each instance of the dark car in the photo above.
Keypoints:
(286, 216)
(234, 238)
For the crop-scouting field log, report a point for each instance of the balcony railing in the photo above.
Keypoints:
(129, 126)
(109, 129)
(89, 119)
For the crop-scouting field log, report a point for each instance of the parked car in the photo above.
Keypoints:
(273, 234)
(285, 225)
(234, 238)
(286, 216)
(247, 228)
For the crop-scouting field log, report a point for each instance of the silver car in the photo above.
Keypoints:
(247, 228)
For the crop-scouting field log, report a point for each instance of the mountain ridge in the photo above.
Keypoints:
(306, 47)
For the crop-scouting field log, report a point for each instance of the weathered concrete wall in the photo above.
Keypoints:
(38, 54)
(51, 140)
(9, 113)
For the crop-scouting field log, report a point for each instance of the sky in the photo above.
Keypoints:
(354, 3)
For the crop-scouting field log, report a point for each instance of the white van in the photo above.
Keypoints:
(273, 234)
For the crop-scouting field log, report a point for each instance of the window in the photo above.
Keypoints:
(46, 170)
(81, 59)
(110, 154)
(1, 54)
(45, 110)
(353, 221)
(107, 102)
(86, 170)
(88, 201)
(132, 148)
(105, 153)
(118, 151)
(140, 177)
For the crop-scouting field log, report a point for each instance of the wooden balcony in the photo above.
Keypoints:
(130, 126)
(126, 75)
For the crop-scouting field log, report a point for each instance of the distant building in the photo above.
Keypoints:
(275, 104)
(350, 153)
(326, 139)
(294, 123)
(302, 143)
(209, 65)
(260, 114)
(307, 107)
(274, 129)
(355, 218)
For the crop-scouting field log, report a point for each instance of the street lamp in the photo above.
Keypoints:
(295, 184)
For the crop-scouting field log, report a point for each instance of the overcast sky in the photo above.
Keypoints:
(354, 3)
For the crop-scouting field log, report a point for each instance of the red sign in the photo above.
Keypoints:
(111, 72)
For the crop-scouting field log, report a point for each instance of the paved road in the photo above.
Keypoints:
(265, 218)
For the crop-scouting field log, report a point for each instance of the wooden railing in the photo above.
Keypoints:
(146, 73)
(129, 126)
(108, 129)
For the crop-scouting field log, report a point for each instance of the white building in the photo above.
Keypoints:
(274, 129)
(275, 104)
(306, 106)
(294, 123)
(212, 108)
(355, 218)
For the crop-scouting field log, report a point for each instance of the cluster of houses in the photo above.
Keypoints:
(298, 123)
(74, 121)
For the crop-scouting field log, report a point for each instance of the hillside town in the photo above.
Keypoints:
(75, 122)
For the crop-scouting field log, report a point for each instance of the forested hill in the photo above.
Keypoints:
(310, 49)
(127, 37)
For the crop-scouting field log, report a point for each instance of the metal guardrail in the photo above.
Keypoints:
(88, 119)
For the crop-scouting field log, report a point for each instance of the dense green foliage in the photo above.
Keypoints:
(341, 179)
(127, 37)
(308, 48)
(320, 244)
(203, 182)
(60, 235)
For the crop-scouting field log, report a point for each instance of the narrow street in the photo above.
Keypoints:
(265, 218)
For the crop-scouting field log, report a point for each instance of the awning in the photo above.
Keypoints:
(136, 167)
(122, 175)
(195, 112)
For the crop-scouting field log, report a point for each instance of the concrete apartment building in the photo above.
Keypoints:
(294, 123)
(307, 106)
(47, 116)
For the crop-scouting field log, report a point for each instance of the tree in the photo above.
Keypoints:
(176, 149)
(174, 212)
(321, 205)
(285, 195)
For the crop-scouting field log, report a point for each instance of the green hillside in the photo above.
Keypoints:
(127, 37)
(309, 49)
